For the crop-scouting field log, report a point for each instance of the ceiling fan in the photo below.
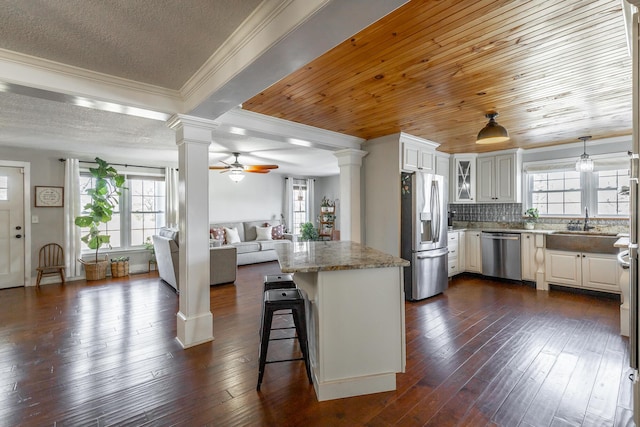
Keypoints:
(236, 168)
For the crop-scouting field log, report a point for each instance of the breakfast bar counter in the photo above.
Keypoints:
(355, 315)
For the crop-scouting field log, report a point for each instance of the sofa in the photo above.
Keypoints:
(250, 249)
(222, 260)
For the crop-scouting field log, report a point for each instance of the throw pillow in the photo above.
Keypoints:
(217, 233)
(277, 232)
(231, 235)
(263, 233)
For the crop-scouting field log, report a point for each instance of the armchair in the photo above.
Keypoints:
(222, 260)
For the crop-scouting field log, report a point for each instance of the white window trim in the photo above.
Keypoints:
(124, 205)
(610, 161)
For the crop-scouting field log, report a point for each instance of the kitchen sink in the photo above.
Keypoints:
(584, 233)
(582, 241)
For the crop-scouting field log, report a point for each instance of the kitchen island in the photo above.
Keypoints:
(355, 315)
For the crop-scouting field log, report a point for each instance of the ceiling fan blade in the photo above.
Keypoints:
(257, 170)
(219, 167)
(256, 167)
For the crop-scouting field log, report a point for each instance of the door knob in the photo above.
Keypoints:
(18, 236)
(18, 228)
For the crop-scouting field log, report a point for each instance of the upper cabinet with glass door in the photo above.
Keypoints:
(463, 182)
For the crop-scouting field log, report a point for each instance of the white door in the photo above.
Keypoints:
(11, 227)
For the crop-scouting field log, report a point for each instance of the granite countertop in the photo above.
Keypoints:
(504, 230)
(309, 257)
(622, 242)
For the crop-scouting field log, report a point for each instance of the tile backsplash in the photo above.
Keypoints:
(486, 212)
(510, 215)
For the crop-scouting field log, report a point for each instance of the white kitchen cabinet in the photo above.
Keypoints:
(601, 272)
(473, 252)
(528, 253)
(418, 155)
(499, 177)
(462, 252)
(463, 178)
(454, 256)
(598, 272)
(442, 165)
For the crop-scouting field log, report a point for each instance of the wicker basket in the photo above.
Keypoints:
(95, 270)
(119, 268)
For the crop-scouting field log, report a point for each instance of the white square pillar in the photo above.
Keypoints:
(350, 163)
(194, 319)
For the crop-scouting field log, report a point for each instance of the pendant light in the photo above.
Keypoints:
(492, 133)
(584, 163)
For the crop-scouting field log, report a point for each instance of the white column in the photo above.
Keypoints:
(194, 319)
(350, 162)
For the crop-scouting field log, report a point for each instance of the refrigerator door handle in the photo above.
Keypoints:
(432, 253)
(435, 209)
(633, 305)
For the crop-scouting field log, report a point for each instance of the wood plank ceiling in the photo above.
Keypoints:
(553, 70)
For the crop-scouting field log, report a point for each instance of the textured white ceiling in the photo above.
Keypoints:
(73, 131)
(161, 43)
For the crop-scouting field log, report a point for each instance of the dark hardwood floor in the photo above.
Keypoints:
(485, 353)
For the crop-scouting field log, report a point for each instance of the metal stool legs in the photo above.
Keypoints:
(283, 299)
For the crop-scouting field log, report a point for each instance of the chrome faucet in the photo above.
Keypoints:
(587, 227)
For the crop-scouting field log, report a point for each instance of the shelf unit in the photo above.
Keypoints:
(327, 221)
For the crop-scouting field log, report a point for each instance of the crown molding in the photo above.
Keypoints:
(26, 70)
(265, 27)
(590, 143)
(288, 131)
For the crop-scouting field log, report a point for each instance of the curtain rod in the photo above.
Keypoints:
(120, 164)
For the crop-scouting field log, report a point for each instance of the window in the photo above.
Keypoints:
(556, 193)
(139, 214)
(300, 204)
(610, 200)
(4, 188)
(567, 192)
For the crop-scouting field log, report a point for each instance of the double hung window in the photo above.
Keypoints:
(139, 214)
(558, 190)
(300, 199)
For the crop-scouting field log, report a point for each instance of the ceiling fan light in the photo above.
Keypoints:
(492, 133)
(236, 175)
(584, 163)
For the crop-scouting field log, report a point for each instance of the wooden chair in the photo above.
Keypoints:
(50, 261)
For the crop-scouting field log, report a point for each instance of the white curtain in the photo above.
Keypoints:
(171, 177)
(72, 209)
(288, 203)
(311, 201)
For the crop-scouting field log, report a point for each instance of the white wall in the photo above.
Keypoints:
(256, 197)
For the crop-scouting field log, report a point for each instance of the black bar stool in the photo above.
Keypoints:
(283, 299)
(278, 281)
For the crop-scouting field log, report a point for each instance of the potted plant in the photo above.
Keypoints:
(104, 197)
(120, 266)
(148, 245)
(308, 231)
(531, 217)
(327, 204)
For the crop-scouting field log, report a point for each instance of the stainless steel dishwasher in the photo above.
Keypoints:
(501, 255)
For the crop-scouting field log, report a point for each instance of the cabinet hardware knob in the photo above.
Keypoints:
(18, 236)
(18, 228)
(578, 255)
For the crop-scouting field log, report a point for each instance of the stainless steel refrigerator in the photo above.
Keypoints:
(424, 234)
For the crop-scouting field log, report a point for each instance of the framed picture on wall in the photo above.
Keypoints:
(49, 197)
